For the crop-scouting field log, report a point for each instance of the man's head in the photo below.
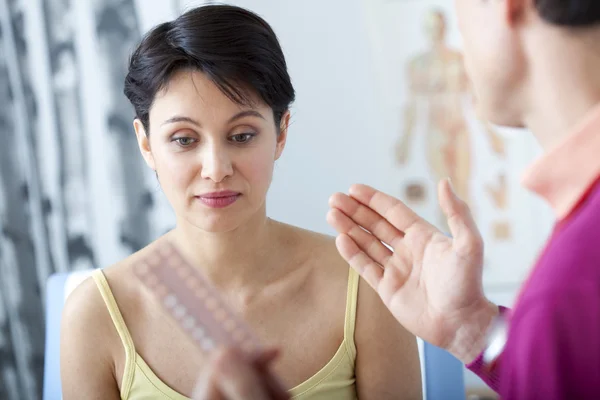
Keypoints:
(506, 42)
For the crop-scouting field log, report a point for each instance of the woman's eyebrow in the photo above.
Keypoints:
(181, 118)
(247, 113)
(242, 114)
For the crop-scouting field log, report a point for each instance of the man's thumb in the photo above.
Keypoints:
(460, 220)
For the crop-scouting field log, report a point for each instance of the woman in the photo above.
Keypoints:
(211, 94)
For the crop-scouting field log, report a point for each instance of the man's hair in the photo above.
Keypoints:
(570, 13)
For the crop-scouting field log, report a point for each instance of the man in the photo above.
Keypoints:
(534, 64)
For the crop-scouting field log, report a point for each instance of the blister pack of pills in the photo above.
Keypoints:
(193, 301)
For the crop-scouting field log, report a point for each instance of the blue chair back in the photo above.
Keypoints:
(58, 287)
(442, 374)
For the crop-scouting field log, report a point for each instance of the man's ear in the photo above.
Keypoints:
(283, 132)
(143, 143)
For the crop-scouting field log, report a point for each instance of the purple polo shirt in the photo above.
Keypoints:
(553, 347)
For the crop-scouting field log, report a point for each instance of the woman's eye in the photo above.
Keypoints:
(184, 141)
(242, 138)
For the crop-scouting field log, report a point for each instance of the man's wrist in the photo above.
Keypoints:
(470, 339)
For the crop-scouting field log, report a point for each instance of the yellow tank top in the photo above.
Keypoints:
(335, 381)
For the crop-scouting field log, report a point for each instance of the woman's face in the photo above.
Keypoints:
(214, 158)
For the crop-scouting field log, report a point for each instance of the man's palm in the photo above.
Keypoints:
(430, 282)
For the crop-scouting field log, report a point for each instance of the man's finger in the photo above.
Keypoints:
(466, 236)
(390, 208)
(365, 240)
(365, 266)
(366, 218)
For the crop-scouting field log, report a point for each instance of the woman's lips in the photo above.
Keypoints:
(219, 199)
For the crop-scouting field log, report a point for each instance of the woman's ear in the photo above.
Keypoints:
(283, 132)
(143, 143)
(514, 10)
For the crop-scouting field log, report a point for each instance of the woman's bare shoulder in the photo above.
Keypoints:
(90, 343)
(86, 302)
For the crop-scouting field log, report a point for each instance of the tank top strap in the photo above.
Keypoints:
(350, 318)
(119, 323)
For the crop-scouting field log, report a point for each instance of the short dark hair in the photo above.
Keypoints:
(570, 13)
(234, 47)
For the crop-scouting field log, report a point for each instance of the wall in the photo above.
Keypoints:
(75, 194)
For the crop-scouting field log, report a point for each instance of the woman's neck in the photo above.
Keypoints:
(232, 260)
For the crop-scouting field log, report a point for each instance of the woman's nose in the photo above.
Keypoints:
(216, 164)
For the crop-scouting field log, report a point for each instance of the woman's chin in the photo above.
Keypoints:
(222, 220)
(216, 224)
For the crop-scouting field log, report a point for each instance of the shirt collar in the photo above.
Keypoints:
(564, 174)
